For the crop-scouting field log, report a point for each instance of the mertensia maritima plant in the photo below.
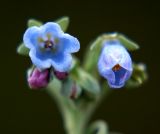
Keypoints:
(78, 87)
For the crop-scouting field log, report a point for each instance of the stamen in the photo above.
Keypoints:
(48, 44)
(117, 67)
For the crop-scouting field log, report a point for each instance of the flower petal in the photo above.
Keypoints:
(30, 37)
(107, 58)
(69, 43)
(62, 62)
(114, 85)
(40, 61)
(104, 71)
(126, 61)
(116, 54)
(121, 76)
(51, 28)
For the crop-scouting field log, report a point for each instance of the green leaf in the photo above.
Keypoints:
(86, 81)
(129, 44)
(63, 22)
(22, 50)
(33, 22)
(98, 127)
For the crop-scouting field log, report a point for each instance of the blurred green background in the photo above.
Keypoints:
(23, 111)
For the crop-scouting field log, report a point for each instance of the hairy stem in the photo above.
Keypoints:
(75, 118)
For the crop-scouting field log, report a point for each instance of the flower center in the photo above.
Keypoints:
(48, 44)
(117, 67)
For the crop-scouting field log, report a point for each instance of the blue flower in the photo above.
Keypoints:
(115, 63)
(50, 47)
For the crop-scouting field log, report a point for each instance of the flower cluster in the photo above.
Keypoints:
(115, 63)
(51, 48)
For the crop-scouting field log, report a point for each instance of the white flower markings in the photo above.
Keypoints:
(50, 47)
(115, 63)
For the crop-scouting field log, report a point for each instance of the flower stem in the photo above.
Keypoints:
(74, 123)
(75, 117)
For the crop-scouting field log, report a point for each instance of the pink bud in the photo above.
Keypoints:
(38, 79)
(61, 75)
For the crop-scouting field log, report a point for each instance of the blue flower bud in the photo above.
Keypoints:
(115, 63)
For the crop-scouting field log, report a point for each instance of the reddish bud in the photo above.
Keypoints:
(38, 79)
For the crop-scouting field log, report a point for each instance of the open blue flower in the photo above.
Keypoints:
(50, 47)
(115, 63)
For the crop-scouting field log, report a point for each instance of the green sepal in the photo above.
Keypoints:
(86, 81)
(63, 22)
(139, 76)
(30, 70)
(98, 127)
(70, 89)
(126, 42)
(92, 55)
(129, 44)
(75, 63)
(33, 22)
(22, 50)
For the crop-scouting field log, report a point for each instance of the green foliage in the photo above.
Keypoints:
(92, 55)
(86, 81)
(74, 108)
(33, 22)
(22, 50)
(63, 22)
(98, 127)
(70, 89)
(129, 44)
(138, 77)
